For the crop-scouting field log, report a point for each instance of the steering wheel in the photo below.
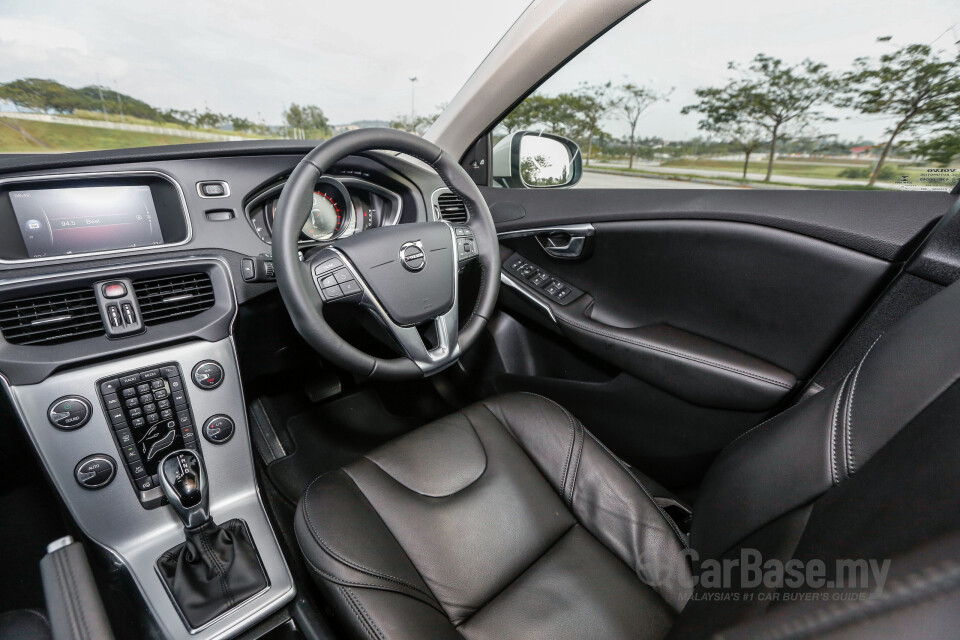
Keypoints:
(405, 275)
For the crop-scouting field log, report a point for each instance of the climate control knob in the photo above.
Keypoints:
(218, 429)
(207, 375)
(95, 472)
(69, 412)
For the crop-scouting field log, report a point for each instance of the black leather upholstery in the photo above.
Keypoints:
(24, 624)
(509, 520)
(216, 569)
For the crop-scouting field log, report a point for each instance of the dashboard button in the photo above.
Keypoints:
(144, 484)
(129, 379)
(116, 416)
(111, 401)
(169, 371)
(137, 470)
(95, 472)
(114, 290)
(175, 384)
(129, 392)
(124, 437)
(109, 386)
(69, 412)
(150, 374)
(207, 375)
(218, 429)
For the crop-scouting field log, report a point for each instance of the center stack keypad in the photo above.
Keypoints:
(149, 412)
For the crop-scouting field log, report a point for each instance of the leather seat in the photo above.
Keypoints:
(509, 519)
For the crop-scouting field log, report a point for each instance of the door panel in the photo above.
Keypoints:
(775, 295)
(697, 314)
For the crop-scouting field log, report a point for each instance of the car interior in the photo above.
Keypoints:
(382, 386)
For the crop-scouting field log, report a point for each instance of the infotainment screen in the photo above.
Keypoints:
(68, 221)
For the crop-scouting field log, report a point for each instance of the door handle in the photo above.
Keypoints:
(562, 244)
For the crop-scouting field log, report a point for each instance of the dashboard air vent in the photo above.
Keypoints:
(52, 318)
(169, 298)
(450, 207)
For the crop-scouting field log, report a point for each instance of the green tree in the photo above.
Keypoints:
(308, 117)
(769, 94)
(724, 116)
(417, 124)
(913, 87)
(589, 105)
(241, 124)
(630, 101)
(941, 149)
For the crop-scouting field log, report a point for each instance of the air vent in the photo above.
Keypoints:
(450, 207)
(173, 297)
(51, 318)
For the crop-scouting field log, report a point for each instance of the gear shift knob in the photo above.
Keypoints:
(184, 482)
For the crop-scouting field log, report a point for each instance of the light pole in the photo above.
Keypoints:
(119, 103)
(413, 80)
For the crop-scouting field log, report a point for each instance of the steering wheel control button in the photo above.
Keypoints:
(349, 288)
(328, 265)
(113, 290)
(327, 281)
(332, 293)
(218, 429)
(207, 375)
(69, 412)
(95, 472)
(412, 256)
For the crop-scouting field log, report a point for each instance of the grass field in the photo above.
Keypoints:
(29, 136)
(801, 168)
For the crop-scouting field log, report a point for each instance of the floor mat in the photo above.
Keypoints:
(331, 435)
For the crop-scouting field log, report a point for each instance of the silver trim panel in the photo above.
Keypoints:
(584, 230)
(516, 286)
(102, 174)
(113, 516)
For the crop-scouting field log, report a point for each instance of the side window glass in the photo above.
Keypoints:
(689, 94)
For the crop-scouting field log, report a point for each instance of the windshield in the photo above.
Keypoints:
(105, 74)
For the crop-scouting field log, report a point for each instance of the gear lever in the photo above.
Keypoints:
(184, 482)
(217, 567)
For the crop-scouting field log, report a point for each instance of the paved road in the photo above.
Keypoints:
(592, 180)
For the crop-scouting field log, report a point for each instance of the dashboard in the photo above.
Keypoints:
(341, 207)
(122, 276)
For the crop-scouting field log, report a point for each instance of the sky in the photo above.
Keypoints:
(354, 59)
(251, 58)
(685, 44)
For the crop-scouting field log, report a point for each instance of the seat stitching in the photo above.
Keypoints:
(851, 465)
(834, 479)
(566, 465)
(336, 580)
(73, 595)
(622, 464)
(625, 467)
(576, 468)
(350, 563)
(909, 591)
(363, 610)
(678, 354)
(364, 622)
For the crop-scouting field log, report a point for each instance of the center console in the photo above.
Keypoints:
(102, 430)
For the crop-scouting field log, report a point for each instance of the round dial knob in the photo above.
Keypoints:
(95, 472)
(69, 412)
(207, 375)
(218, 429)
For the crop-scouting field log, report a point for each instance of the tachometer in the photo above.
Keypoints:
(327, 215)
(331, 212)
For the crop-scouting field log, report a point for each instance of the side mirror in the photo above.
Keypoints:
(528, 159)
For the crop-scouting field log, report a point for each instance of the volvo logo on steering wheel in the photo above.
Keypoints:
(412, 256)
